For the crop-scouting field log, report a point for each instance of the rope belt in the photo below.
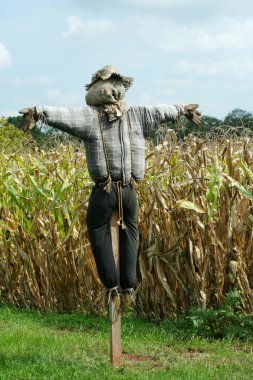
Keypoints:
(120, 205)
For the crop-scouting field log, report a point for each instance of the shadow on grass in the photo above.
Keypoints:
(80, 322)
(66, 321)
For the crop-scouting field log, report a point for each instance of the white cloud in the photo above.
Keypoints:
(60, 98)
(182, 11)
(161, 4)
(179, 82)
(222, 35)
(30, 81)
(225, 34)
(220, 48)
(144, 6)
(235, 68)
(5, 57)
(76, 27)
(145, 100)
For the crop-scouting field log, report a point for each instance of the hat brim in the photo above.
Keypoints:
(126, 81)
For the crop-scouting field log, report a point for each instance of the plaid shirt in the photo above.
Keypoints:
(118, 147)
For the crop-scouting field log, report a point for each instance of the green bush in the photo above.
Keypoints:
(13, 139)
(228, 321)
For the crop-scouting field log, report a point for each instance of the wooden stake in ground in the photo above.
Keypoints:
(114, 304)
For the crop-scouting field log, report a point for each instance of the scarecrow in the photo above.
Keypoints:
(114, 136)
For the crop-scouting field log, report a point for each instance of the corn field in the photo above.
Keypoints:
(195, 220)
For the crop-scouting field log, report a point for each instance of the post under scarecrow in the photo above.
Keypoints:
(114, 136)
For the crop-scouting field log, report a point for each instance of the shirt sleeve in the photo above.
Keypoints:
(152, 117)
(76, 121)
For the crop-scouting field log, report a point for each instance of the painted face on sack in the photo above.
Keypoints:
(108, 91)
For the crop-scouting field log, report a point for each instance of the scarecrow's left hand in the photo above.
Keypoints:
(29, 118)
(191, 113)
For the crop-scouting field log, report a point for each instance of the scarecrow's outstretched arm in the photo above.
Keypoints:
(73, 120)
(152, 117)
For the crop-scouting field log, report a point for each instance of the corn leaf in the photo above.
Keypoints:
(184, 203)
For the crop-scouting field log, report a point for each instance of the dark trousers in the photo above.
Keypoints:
(100, 209)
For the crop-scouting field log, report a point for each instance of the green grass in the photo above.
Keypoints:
(37, 345)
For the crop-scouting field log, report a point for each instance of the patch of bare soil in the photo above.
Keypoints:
(140, 359)
(191, 353)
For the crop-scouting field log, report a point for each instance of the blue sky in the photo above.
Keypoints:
(178, 51)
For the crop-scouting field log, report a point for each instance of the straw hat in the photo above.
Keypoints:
(108, 72)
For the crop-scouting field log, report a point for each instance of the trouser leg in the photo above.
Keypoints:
(100, 209)
(128, 239)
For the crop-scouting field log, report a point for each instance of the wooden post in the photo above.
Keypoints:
(114, 305)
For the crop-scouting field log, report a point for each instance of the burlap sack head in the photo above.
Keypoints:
(107, 91)
(107, 87)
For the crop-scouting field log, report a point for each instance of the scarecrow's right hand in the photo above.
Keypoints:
(29, 118)
(192, 114)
